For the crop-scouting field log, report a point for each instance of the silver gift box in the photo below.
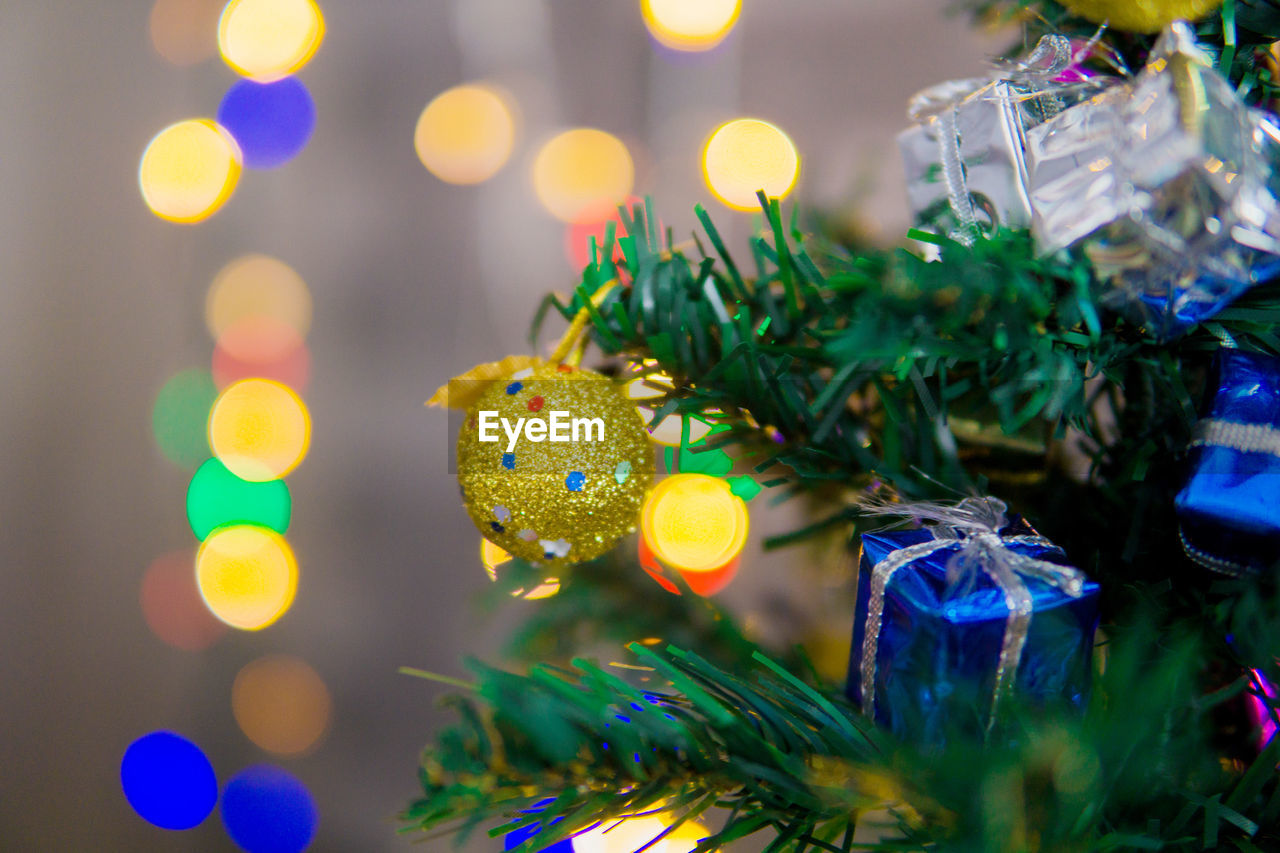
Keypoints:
(1162, 182)
(980, 126)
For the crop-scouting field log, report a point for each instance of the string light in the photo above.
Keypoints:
(690, 25)
(269, 39)
(180, 417)
(466, 134)
(262, 347)
(260, 429)
(281, 704)
(184, 32)
(493, 556)
(702, 583)
(189, 170)
(267, 808)
(168, 780)
(257, 285)
(271, 122)
(171, 603)
(746, 155)
(581, 174)
(633, 833)
(694, 523)
(216, 498)
(247, 575)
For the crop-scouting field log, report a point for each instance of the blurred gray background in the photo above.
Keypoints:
(413, 281)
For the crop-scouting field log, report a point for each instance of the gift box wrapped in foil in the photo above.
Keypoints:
(1162, 182)
(964, 157)
(953, 616)
(1229, 509)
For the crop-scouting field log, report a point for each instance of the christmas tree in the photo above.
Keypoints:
(1054, 407)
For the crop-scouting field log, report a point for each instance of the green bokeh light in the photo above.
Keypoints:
(217, 497)
(180, 417)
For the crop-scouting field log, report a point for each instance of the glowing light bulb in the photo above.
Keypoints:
(281, 704)
(168, 780)
(633, 833)
(171, 603)
(493, 556)
(189, 170)
(180, 417)
(263, 347)
(702, 583)
(257, 286)
(247, 575)
(184, 32)
(746, 155)
(216, 498)
(690, 25)
(269, 39)
(694, 523)
(267, 808)
(580, 174)
(260, 429)
(271, 122)
(465, 135)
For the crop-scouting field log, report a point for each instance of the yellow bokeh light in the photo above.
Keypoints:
(746, 155)
(269, 39)
(493, 556)
(185, 32)
(694, 523)
(257, 286)
(690, 24)
(581, 174)
(281, 704)
(631, 834)
(260, 429)
(465, 135)
(247, 575)
(189, 170)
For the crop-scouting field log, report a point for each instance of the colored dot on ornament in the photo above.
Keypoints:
(514, 388)
(497, 528)
(564, 368)
(575, 481)
(623, 472)
(535, 404)
(501, 513)
(509, 461)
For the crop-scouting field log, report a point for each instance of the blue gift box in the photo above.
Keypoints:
(940, 643)
(1229, 509)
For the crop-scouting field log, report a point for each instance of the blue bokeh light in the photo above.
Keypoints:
(266, 809)
(168, 780)
(270, 121)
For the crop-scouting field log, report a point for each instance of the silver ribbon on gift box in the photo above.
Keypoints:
(1163, 181)
(965, 154)
(972, 527)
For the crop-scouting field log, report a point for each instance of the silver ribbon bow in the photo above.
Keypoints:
(973, 528)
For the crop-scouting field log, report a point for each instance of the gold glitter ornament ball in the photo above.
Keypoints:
(1141, 16)
(554, 502)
